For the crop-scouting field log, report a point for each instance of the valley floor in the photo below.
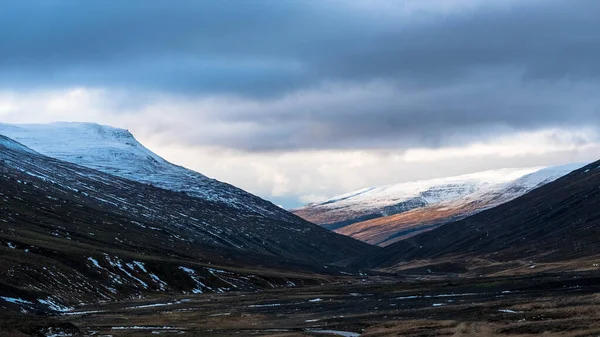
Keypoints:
(565, 304)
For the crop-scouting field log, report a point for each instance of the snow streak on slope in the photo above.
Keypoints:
(116, 151)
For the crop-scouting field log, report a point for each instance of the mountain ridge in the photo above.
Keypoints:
(116, 151)
(171, 208)
(71, 234)
(386, 214)
(553, 222)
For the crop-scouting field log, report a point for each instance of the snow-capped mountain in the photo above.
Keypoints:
(553, 223)
(186, 218)
(381, 201)
(380, 214)
(505, 192)
(72, 234)
(117, 152)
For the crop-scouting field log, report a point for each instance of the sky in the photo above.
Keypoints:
(298, 100)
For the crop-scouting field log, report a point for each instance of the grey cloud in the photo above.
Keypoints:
(388, 116)
(448, 77)
(269, 47)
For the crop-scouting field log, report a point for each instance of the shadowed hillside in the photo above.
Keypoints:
(556, 222)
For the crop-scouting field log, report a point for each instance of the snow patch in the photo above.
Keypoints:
(508, 311)
(15, 300)
(52, 304)
(335, 332)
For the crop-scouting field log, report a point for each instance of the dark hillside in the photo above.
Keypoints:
(69, 234)
(556, 222)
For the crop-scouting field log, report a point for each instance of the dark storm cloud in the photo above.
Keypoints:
(274, 46)
(496, 64)
(168, 45)
(394, 117)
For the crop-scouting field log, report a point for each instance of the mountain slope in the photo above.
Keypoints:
(555, 222)
(389, 229)
(208, 222)
(117, 152)
(375, 202)
(70, 234)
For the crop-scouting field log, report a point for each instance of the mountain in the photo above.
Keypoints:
(384, 215)
(208, 222)
(552, 223)
(71, 234)
(117, 152)
(375, 202)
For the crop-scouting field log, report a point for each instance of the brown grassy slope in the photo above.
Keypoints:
(379, 231)
(389, 229)
(334, 218)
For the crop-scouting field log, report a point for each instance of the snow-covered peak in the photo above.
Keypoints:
(432, 190)
(87, 144)
(116, 151)
(466, 194)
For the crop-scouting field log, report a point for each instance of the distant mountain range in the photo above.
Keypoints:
(387, 214)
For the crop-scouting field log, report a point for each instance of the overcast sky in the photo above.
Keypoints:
(298, 100)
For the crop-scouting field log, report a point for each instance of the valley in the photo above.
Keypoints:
(87, 252)
(274, 168)
(564, 304)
